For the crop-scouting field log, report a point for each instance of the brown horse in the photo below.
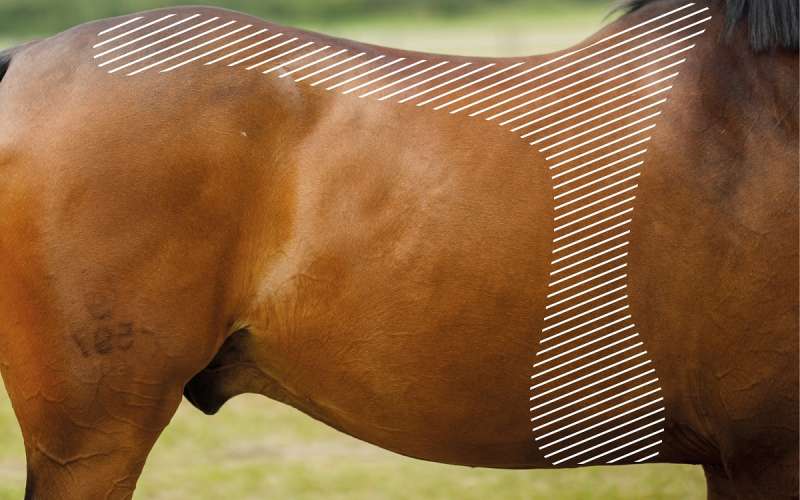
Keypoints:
(195, 201)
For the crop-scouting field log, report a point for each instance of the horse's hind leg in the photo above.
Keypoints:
(93, 396)
(84, 445)
(755, 478)
(95, 354)
(718, 485)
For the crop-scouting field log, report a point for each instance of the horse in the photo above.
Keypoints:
(579, 258)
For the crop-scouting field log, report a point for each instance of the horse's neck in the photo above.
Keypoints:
(759, 87)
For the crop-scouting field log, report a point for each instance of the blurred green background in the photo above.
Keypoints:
(256, 448)
(472, 27)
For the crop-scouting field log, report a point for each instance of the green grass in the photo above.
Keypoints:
(19, 17)
(256, 448)
(504, 30)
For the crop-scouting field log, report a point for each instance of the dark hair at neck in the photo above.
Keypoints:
(771, 23)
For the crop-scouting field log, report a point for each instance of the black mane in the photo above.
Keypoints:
(5, 62)
(771, 23)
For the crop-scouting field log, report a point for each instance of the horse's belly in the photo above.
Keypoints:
(406, 306)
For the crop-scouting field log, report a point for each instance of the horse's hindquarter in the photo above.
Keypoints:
(122, 201)
(387, 261)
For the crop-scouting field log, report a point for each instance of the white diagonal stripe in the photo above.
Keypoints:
(130, 32)
(129, 21)
(595, 404)
(593, 235)
(612, 408)
(582, 261)
(575, 338)
(590, 353)
(278, 56)
(423, 82)
(585, 323)
(148, 35)
(620, 447)
(591, 395)
(313, 63)
(593, 224)
(448, 82)
(212, 51)
(178, 44)
(331, 66)
(192, 49)
(298, 58)
(156, 42)
(347, 70)
(405, 78)
(468, 84)
(263, 51)
(594, 75)
(587, 301)
(589, 290)
(594, 96)
(383, 77)
(634, 452)
(606, 123)
(608, 441)
(604, 422)
(243, 49)
(603, 433)
(585, 344)
(368, 72)
(594, 245)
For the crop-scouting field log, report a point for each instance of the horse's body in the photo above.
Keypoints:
(383, 268)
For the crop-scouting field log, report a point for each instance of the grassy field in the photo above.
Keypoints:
(501, 31)
(256, 448)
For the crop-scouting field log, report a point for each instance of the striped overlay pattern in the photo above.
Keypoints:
(595, 396)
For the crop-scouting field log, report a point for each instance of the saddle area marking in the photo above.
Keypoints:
(595, 396)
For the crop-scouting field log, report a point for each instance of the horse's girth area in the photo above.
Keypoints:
(591, 112)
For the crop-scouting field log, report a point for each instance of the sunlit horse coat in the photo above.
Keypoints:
(578, 258)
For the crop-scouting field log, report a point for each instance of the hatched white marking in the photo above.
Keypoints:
(212, 51)
(165, 49)
(130, 32)
(591, 111)
(347, 70)
(192, 49)
(282, 54)
(148, 35)
(313, 63)
(603, 422)
(129, 21)
(156, 42)
(298, 58)
(264, 51)
(392, 84)
(368, 72)
(383, 77)
(243, 49)
(444, 84)
(331, 66)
